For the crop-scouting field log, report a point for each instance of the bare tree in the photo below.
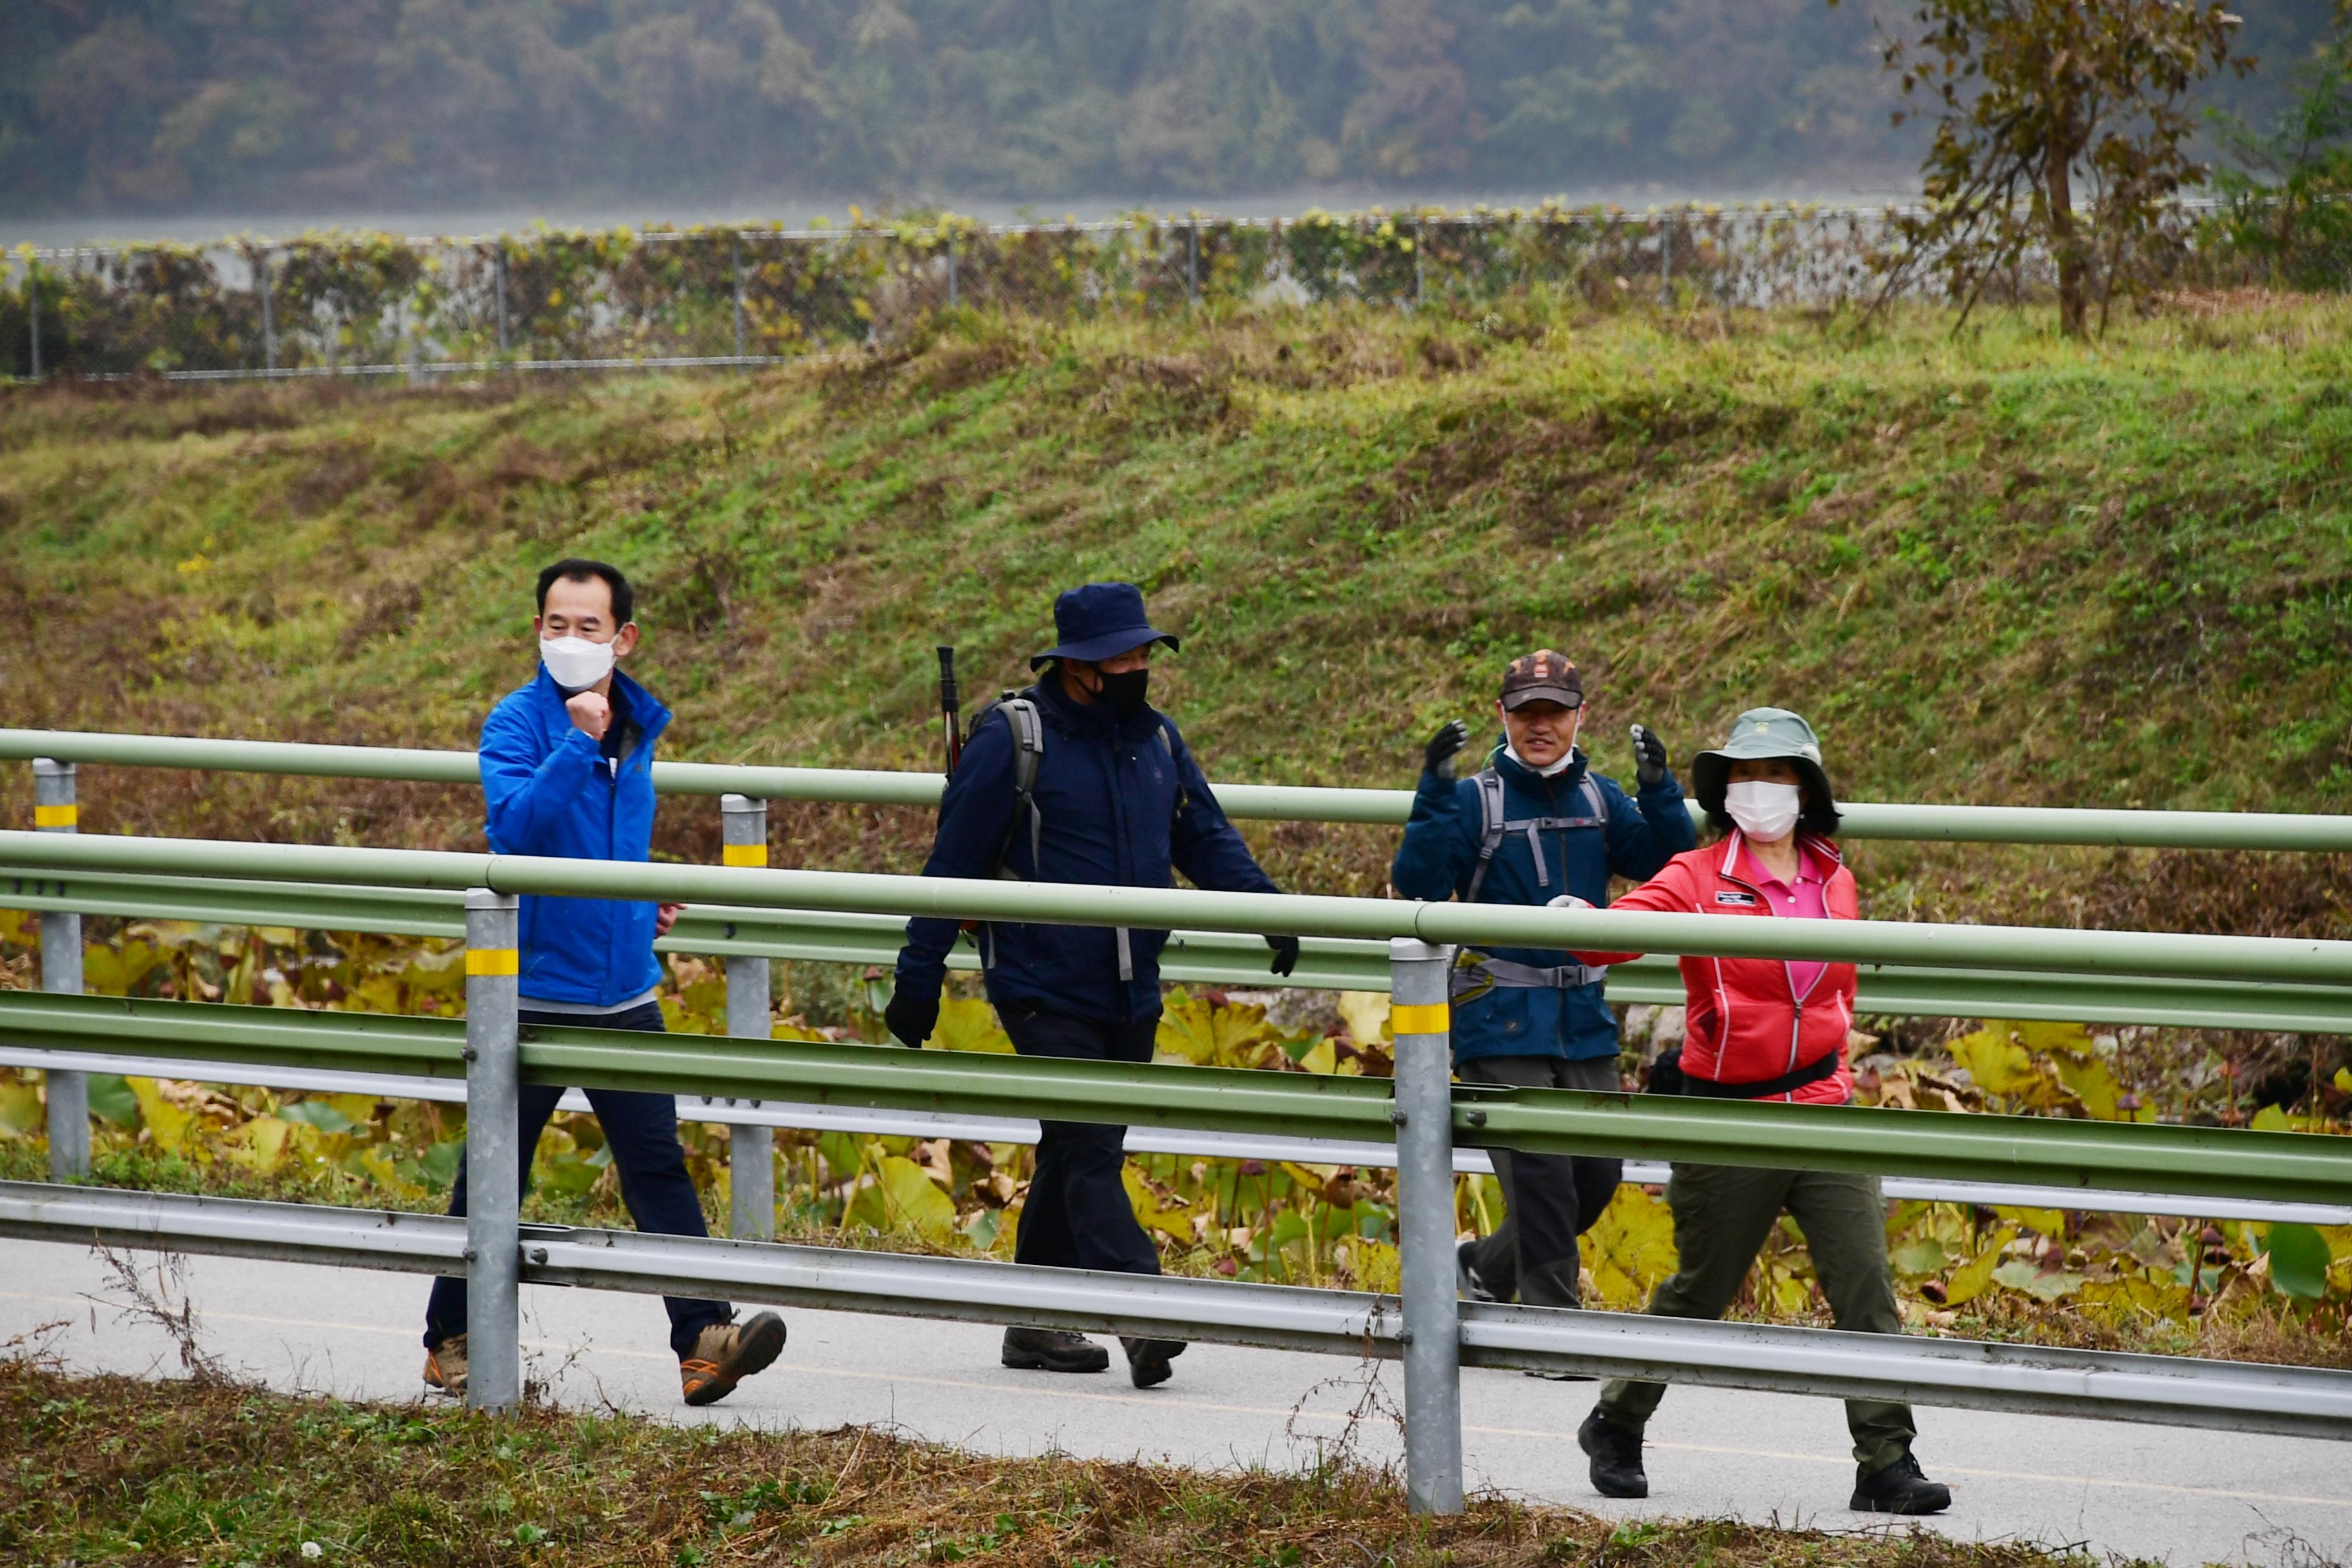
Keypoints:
(2061, 123)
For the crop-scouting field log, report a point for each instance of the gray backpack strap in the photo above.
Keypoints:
(1492, 826)
(1490, 829)
(1028, 752)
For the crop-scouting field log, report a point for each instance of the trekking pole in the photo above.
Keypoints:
(951, 710)
(1421, 1020)
(751, 1149)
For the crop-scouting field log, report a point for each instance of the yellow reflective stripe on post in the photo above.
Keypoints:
(492, 961)
(57, 816)
(1429, 1018)
(744, 855)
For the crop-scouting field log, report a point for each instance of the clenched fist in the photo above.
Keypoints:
(590, 714)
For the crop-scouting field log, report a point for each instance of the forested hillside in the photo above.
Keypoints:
(252, 106)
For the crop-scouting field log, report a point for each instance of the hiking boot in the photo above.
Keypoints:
(1053, 1350)
(444, 1366)
(1616, 1457)
(1899, 1488)
(1465, 1276)
(727, 1353)
(1147, 1360)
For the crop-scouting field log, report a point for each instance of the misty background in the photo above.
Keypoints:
(190, 118)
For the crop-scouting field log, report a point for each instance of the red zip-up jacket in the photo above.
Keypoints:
(1747, 1022)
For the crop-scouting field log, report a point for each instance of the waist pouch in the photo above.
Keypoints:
(1666, 1077)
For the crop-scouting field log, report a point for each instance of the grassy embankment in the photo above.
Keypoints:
(1993, 568)
(123, 1471)
(1997, 568)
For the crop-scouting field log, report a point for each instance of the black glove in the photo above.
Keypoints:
(1286, 954)
(910, 1017)
(1438, 755)
(1649, 757)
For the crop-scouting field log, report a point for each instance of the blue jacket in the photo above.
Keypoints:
(549, 791)
(1109, 795)
(1441, 850)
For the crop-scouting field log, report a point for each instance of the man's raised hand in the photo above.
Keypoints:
(1438, 755)
(590, 714)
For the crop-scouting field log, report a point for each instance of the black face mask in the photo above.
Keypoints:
(1126, 692)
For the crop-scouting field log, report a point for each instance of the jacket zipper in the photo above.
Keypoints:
(1797, 1020)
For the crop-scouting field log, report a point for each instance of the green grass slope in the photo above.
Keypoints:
(1993, 568)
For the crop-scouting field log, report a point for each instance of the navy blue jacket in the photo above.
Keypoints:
(1107, 793)
(551, 791)
(1441, 850)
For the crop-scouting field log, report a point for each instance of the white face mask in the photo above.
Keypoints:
(575, 663)
(1765, 812)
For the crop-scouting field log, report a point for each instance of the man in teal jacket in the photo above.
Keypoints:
(567, 770)
(1537, 826)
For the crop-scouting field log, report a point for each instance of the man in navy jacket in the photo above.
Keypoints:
(1537, 826)
(567, 770)
(1117, 800)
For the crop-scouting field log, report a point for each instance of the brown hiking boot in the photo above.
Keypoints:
(727, 1353)
(445, 1365)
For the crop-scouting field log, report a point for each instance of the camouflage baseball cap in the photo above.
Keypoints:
(1543, 676)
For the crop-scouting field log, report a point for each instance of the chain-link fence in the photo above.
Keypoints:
(379, 305)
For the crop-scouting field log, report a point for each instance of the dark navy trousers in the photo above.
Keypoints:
(641, 1130)
(1077, 1214)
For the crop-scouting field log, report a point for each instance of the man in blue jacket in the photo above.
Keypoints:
(1078, 779)
(567, 770)
(1537, 826)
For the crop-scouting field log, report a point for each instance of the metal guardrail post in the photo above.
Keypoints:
(33, 308)
(498, 278)
(493, 1163)
(268, 316)
(55, 811)
(1192, 264)
(735, 272)
(1424, 1124)
(750, 1150)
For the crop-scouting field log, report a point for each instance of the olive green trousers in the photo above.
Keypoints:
(1722, 1214)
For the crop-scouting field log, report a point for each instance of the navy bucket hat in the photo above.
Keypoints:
(1099, 621)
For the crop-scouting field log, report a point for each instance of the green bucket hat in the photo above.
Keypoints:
(1757, 734)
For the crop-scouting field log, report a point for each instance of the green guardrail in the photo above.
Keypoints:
(1863, 819)
(2293, 960)
(2204, 1162)
(1217, 958)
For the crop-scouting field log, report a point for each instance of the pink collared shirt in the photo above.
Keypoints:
(1804, 901)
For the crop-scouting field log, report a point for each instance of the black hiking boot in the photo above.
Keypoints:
(1053, 1350)
(1899, 1488)
(1465, 1276)
(1147, 1360)
(1616, 1457)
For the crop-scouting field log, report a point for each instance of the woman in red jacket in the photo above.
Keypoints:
(1761, 1028)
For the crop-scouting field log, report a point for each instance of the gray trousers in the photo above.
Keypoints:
(1548, 1200)
(1722, 1214)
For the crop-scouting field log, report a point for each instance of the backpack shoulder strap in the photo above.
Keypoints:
(1490, 829)
(1168, 745)
(1597, 799)
(1028, 728)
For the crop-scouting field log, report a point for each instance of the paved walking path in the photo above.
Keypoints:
(2187, 1497)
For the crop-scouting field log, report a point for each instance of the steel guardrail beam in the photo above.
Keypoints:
(2297, 961)
(2229, 1162)
(1218, 958)
(2172, 1391)
(735, 1111)
(2313, 832)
